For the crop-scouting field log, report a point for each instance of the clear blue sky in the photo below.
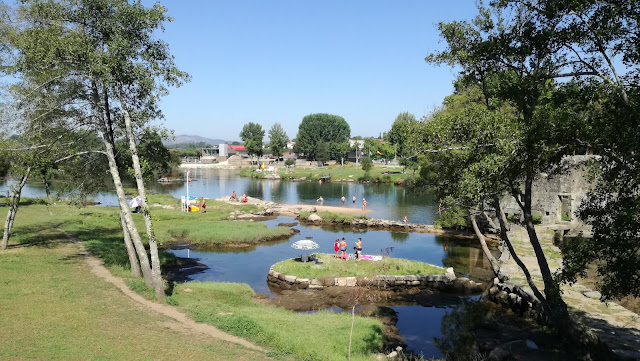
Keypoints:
(277, 61)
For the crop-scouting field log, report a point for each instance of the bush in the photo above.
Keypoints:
(289, 162)
(452, 218)
(367, 164)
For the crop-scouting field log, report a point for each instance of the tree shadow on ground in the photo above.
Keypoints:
(624, 340)
(44, 235)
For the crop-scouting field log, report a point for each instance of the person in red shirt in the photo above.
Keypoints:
(336, 247)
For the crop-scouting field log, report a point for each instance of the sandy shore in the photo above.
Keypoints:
(294, 209)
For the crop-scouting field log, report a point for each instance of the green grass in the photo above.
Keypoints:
(333, 217)
(320, 336)
(53, 308)
(337, 173)
(332, 267)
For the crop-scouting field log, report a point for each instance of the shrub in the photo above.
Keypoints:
(367, 164)
(289, 162)
(453, 218)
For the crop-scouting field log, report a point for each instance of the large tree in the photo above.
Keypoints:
(512, 57)
(252, 135)
(278, 140)
(403, 126)
(114, 65)
(318, 128)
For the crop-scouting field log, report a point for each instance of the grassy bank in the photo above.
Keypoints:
(231, 307)
(337, 173)
(332, 267)
(53, 308)
(331, 217)
(320, 336)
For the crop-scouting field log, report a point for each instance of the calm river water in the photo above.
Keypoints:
(418, 325)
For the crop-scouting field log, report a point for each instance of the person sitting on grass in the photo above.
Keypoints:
(233, 196)
(244, 198)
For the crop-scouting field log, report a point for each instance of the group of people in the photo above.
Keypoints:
(242, 199)
(341, 249)
(343, 199)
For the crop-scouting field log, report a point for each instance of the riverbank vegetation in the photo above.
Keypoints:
(335, 267)
(332, 217)
(233, 308)
(348, 173)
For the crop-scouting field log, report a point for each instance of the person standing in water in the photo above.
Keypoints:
(364, 204)
(354, 199)
(343, 200)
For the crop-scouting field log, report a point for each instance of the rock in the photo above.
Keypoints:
(316, 287)
(314, 218)
(498, 354)
(593, 294)
(392, 354)
(290, 279)
(532, 345)
(449, 275)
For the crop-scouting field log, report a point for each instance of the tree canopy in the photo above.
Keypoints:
(318, 128)
(252, 134)
(278, 140)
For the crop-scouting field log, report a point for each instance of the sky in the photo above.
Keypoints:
(277, 61)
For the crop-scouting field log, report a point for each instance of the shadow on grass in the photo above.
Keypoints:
(44, 235)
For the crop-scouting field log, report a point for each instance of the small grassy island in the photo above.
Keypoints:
(348, 173)
(335, 267)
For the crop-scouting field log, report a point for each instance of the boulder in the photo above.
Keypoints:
(314, 218)
(593, 294)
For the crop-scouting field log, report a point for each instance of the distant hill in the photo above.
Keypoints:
(184, 139)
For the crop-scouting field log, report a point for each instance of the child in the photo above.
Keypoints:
(336, 247)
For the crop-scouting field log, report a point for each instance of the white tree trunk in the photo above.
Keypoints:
(124, 209)
(131, 250)
(13, 208)
(153, 245)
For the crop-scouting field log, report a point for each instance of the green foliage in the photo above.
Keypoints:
(278, 139)
(290, 162)
(453, 218)
(335, 267)
(366, 164)
(403, 126)
(156, 160)
(322, 152)
(252, 135)
(317, 128)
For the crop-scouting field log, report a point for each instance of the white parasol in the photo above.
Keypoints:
(135, 202)
(305, 244)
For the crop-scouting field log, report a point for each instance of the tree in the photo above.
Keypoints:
(277, 140)
(321, 127)
(322, 153)
(112, 64)
(398, 136)
(513, 57)
(252, 135)
(367, 164)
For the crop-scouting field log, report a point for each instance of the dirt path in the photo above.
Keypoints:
(181, 320)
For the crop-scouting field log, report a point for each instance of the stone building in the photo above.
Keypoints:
(556, 197)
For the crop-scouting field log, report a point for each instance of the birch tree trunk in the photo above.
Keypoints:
(153, 245)
(130, 227)
(13, 208)
(131, 250)
(495, 265)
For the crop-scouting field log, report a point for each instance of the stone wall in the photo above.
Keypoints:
(557, 196)
(520, 300)
(447, 282)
